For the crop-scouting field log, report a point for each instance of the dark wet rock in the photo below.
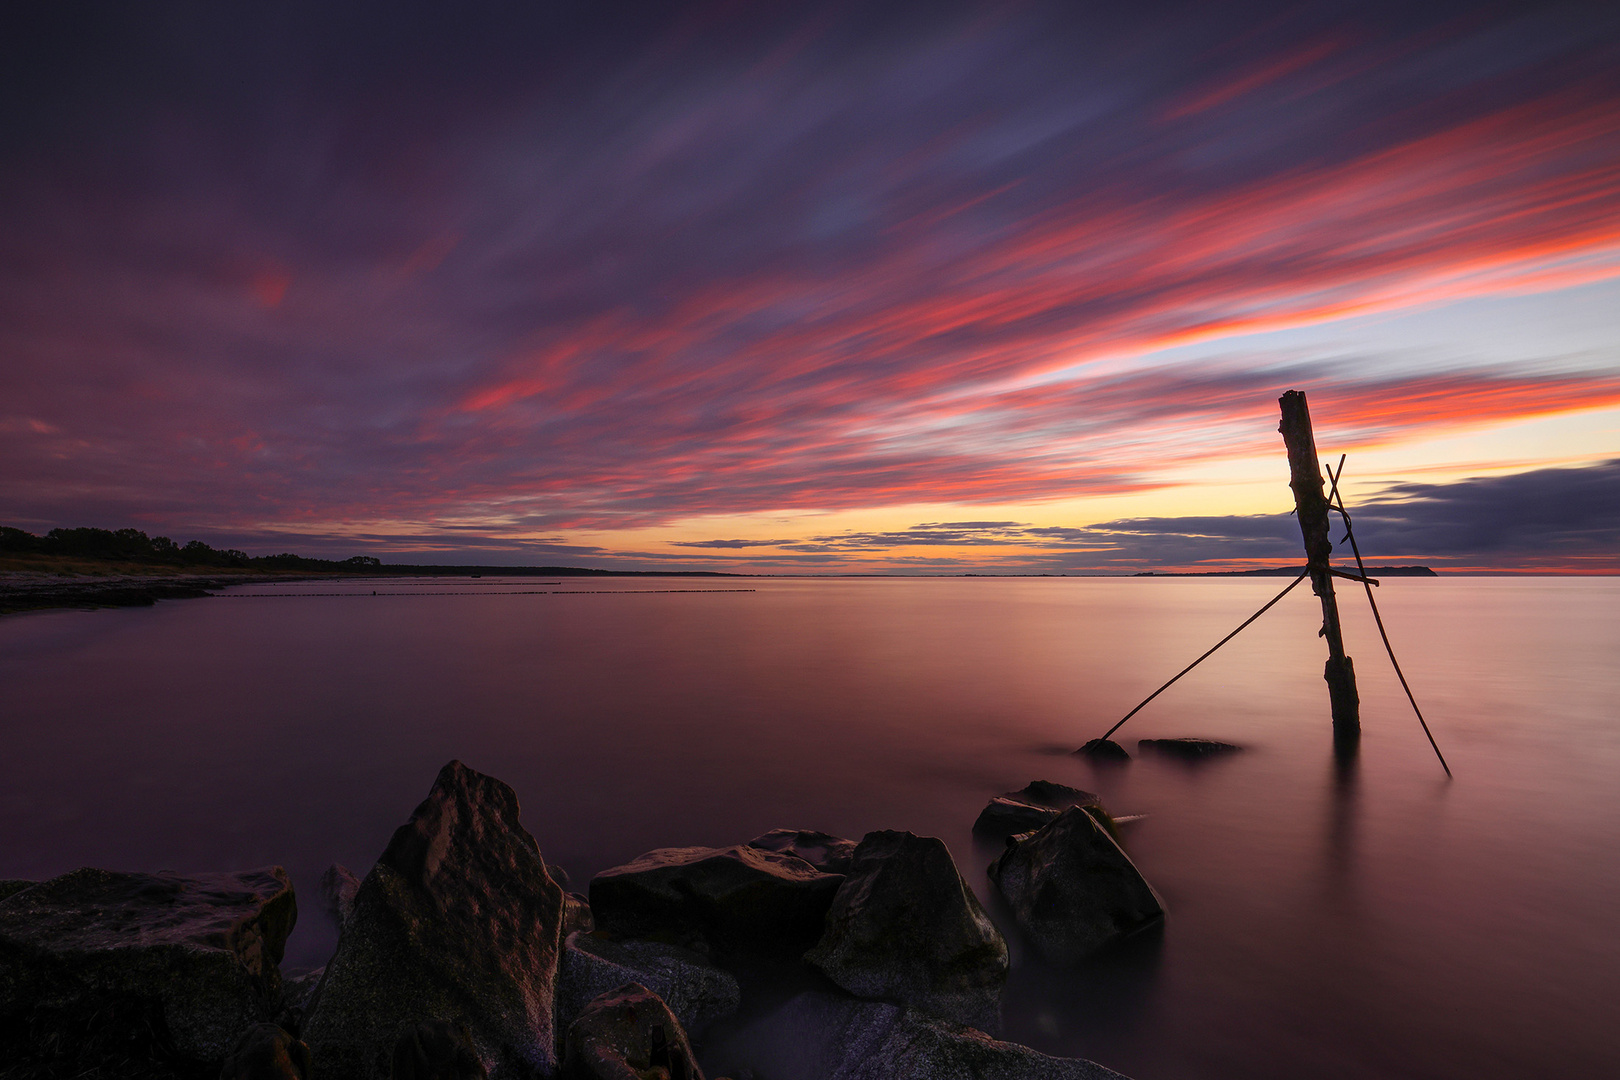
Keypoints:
(1003, 816)
(1057, 796)
(11, 888)
(827, 853)
(458, 921)
(625, 1034)
(818, 1036)
(1072, 889)
(904, 927)
(193, 957)
(338, 886)
(436, 1050)
(695, 991)
(1039, 802)
(1104, 750)
(266, 1052)
(577, 914)
(735, 900)
(1187, 749)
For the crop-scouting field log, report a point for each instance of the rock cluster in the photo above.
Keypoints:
(460, 957)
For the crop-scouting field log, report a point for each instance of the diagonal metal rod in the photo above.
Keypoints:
(1350, 535)
(1303, 575)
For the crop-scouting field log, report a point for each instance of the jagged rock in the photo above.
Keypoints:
(817, 1036)
(458, 921)
(436, 1050)
(696, 992)
(827, 853)
(338, 886)
(1039, 802)
(904, 927)
(1072, 889)
(733, 900)
(266, 1052)
(194, 955)
(626, 1033)
(1187, 749)
(1103, 750)
(577, 915)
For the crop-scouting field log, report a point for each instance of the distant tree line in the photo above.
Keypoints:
(132, 545)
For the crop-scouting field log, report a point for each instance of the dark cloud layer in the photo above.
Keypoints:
(426, 270)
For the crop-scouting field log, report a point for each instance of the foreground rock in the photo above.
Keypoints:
(696, 992)
(1038, 803)
(827, 853)
(1072, 889)
(266, 1052)
(458, 922)
(626, 1034)
(736, 900)
(191, 960)
(1187, 749)
(904, 927)
(436, 1050)
(819, 1036)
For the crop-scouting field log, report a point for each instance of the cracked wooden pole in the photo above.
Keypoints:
(1310, 504)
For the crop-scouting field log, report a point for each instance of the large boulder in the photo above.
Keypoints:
(735, 900)
(436, 1050)
(695, 991)
(1037, 804)
(817, 1036)
(338, 888)
(1072, 889)
(192, 960)
(458, 922)
(626, 1034)
(828, 853)
(904, 927)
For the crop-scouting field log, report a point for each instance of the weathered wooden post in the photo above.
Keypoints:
(1310, 504)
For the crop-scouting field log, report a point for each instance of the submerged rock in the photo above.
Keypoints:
(827, 853)
(904, 927)
(818, 1036)
(733, 900)
(1072, 889)
(192, 959)
(629, 1032)
(1039, 802)
(1103, 750)
(266, 1052)
(695, 991)
(459, 922)
(1189, 749)
(436, 1050)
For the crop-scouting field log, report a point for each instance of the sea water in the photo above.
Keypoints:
(1326, 918)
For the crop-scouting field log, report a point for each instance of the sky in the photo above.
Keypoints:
(813, 288)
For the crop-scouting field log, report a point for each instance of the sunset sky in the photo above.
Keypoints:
(813, 288)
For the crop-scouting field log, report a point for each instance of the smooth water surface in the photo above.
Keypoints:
(1325, 920)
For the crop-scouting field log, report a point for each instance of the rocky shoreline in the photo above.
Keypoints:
(792, 956)
(30, 591)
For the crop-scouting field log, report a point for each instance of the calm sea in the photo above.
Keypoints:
(1375, 920)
